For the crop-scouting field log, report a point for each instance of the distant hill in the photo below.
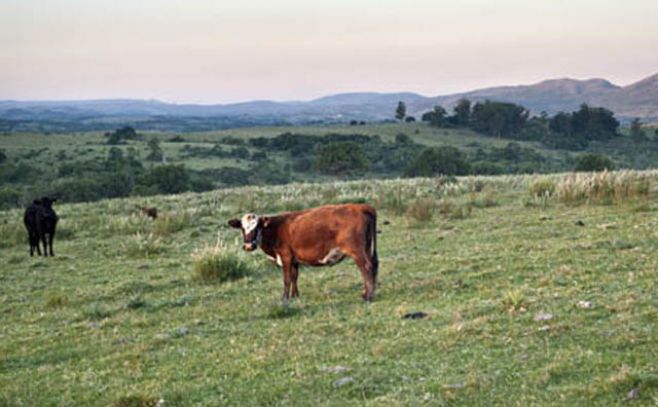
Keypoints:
(639, 99)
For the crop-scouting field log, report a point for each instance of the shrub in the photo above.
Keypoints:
(167, 179)
(56, 300)
(392, 200)
(603, 187)
(485, 200)
(444, 160)
(593, 162)
(216, 264)
(341, 158)
(450, 210)
(10, 197)
(421, 209)
(171, 223)
(13, 234)
(542, 188)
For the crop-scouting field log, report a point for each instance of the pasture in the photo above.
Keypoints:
(539, 290)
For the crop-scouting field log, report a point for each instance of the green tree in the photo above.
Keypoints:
(401, 111)
(637, 132)
(498, 118)
(462, 112)
(341, 158)
(155, 151)
(167, 179)
(593, 162)
(443, 160)
(115, 154)
(436, 117)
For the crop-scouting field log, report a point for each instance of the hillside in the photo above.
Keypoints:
(87, 167)
(530, 299)
(639, 99)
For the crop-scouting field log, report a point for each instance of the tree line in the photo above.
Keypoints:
(564, 130)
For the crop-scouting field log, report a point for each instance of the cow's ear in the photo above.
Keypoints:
(235, 223)
(265, 221)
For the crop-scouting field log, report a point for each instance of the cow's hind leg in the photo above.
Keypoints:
(51, 237)
(365, 265)
(287, 266)
(45, 244)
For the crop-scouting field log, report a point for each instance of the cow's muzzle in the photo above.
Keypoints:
(250, 247)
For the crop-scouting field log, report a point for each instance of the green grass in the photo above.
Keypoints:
(118, 319)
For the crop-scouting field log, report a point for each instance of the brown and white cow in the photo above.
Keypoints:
(320, 236)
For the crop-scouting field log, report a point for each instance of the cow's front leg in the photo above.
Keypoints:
(287, 266)
(294, 274)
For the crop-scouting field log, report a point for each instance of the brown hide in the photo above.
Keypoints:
(317, 237)
(150, 212)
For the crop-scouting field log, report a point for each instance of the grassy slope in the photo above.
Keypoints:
(105, 319)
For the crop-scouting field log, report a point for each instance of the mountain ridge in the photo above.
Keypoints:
(638, 99)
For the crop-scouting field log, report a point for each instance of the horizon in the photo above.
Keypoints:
(201, 52)
(316, 97)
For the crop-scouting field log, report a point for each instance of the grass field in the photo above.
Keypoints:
(544, 299)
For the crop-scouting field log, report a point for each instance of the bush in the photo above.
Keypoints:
(603, 187)
(593, 162)
(450, 210)
(341, 158)
(421, 209)
(13, 234)
(10, 197)
(444, 160)
(215, 264)
(171, 223)
(167, 179)
(542, 188)
(393, 200)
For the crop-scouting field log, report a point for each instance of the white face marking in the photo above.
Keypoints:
(249, 222)
(333, 257)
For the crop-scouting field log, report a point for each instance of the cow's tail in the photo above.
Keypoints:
(372, 231)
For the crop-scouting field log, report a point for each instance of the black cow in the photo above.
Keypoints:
(41, 221)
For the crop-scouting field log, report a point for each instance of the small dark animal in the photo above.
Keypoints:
(320, 236)
(41, 221)
(150, 212)
(415, 315)
(580, 223)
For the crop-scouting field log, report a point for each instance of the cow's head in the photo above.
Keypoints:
(251, 226)
(47, 202)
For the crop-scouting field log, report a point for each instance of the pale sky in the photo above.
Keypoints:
(217, 51)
